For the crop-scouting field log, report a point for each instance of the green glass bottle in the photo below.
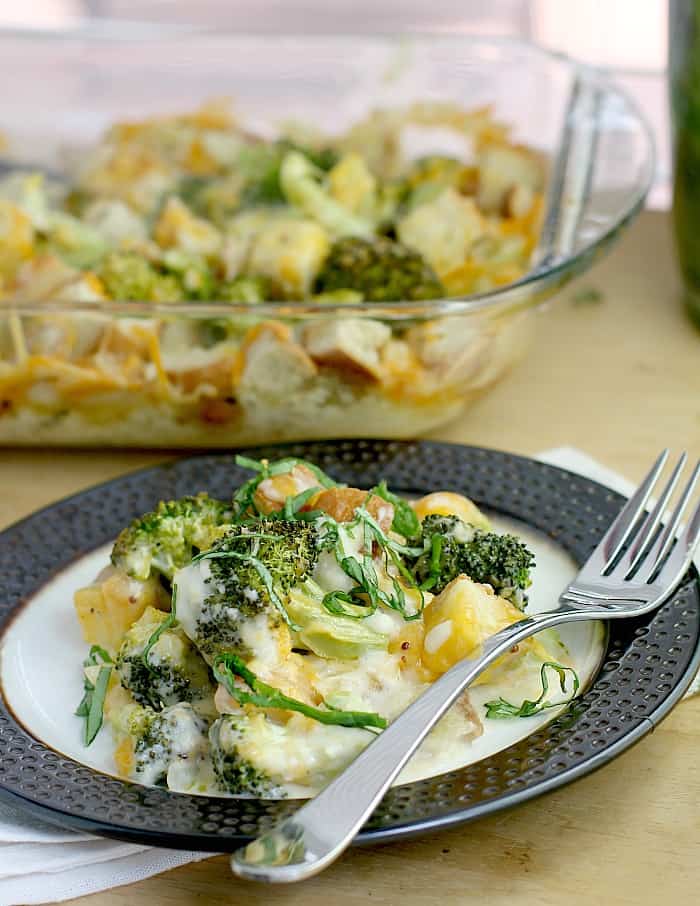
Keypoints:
(684, 70)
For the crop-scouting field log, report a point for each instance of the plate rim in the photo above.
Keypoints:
(201, 841)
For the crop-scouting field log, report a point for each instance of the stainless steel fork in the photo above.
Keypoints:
(632, 571)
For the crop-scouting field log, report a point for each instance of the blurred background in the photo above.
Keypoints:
(628, 37)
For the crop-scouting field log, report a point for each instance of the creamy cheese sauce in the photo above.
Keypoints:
(302, 750)
(43, 691)
(377, 682)
(192, 589)
(301, 755)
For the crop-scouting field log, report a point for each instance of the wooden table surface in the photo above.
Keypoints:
(619, 378)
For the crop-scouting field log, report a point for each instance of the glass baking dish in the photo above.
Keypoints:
(94, 373)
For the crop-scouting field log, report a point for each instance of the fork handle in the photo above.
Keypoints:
(317, 834)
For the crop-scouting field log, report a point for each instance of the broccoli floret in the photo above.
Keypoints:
(287, 548)
(129, 277)
(167, 538)
(178, 276)
(260, 166)
(236, 773)
(439, 564)
(452, 548)
(336, 296)
(193, 273)
(242, 291)
(246, 575)
(501, 561)
(166, 288)
(174, 738)
(269, 559)
(381, 269)
(248, 290)
(175, 671)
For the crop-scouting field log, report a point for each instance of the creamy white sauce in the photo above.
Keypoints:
(462, 532)
(43, 691)
(251, 595)
(183, 750)
(256, 636)
(329, 575)
(298, 754)
(192, 589)
(388, 624)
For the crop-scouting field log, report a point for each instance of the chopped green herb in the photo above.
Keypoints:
(292, 505)
(254, 464)
(501, 708)
(434, 563)
(587, 296)
(92, 703)
(405, 522)
(282, 466)
(168, 623)
(227, 667)
(243, 502)
(343, 604)
(367, 594)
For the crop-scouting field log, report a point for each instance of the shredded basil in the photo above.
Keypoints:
(228, 666)
(243, 502)
(405, 522)
(367, 595)
(91, 706)
(292, 505)
(500, 708)
(168, 623)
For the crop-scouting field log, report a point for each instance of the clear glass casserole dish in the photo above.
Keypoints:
(80, 370)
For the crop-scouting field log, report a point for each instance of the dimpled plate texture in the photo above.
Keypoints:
(647, 666)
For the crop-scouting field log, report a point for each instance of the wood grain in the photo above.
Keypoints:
(619, 379)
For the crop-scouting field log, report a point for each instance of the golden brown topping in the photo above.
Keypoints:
(272, 492)
(341, 503)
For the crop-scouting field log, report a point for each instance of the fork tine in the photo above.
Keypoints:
(622, 528)
(681, 555)
(691, 536)
(686, 543)
(638, 549)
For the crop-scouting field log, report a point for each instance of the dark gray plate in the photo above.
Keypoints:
(648, 664)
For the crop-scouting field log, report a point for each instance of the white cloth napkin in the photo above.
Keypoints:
(41, 863)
